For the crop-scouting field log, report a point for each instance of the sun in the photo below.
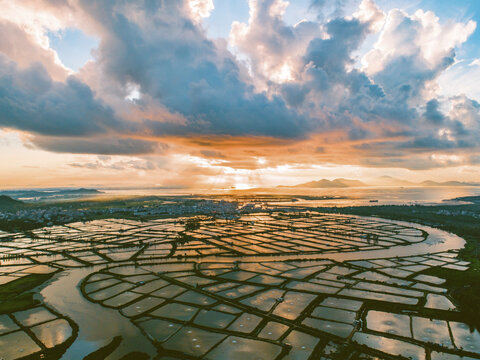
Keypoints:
(242, 186)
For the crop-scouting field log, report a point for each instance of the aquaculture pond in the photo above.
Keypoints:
(301, 285)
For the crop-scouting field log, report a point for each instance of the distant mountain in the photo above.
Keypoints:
(391, 181)
(6, 202)
(381, 181)
(337, 183)
(83, 191)
(49, 194)
(447, 183)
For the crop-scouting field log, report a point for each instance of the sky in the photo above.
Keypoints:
(222, 94)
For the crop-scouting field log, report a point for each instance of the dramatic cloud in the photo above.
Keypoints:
(420, 36)
(105, 146)
(274, 49)
(358, 88)
(168, 57)
(31, 101)
(22, 48)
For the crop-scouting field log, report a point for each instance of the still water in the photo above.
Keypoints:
(354, 196)
(381, 196)
(98, 325)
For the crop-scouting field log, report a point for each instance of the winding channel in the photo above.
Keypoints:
(98, 325)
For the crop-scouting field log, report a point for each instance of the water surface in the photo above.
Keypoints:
(98, 325)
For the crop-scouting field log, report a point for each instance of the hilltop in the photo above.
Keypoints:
(30, 195)
(7, 202)
(337, 183)
(447, 183)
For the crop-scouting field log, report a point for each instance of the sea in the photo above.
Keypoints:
(318, 197)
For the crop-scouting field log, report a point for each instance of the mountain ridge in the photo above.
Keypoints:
(7, 201)
(381, 181)
(325, 183)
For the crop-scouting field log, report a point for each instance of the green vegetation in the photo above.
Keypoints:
(105, 351)
(183, 238)
(464, 287)
(192, 224)
(136, 356)
(15, 295)
(7, 202)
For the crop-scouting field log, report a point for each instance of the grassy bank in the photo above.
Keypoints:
(16, 295)
(464, 287)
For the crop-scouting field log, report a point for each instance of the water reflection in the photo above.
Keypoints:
(115, 288)
(437, 241)
(379, 195)
(97, 325)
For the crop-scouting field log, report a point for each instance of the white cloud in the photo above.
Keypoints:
(475, 62)
(302, 82)
(200, 9)
(274, 48)
(369, 12)
(422, 32)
